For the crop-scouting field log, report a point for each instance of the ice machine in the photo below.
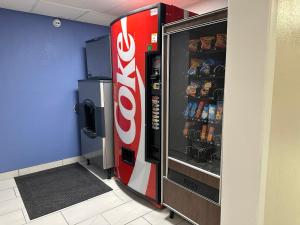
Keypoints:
(96, 119)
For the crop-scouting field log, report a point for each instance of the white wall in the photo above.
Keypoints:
(204, 6)
(247, 110)
(283, 186)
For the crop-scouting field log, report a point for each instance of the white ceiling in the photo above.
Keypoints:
(100, 12)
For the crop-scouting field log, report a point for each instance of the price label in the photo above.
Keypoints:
(154, 38)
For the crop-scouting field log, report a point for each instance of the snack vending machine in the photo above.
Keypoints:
(193, 90)
(136, 71)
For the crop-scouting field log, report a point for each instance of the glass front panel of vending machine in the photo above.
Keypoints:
(196, 89)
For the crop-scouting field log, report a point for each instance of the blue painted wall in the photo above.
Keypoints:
(39, 69)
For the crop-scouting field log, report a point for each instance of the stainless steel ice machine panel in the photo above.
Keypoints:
(96, 122)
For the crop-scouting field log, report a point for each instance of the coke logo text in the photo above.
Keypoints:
(126, 82)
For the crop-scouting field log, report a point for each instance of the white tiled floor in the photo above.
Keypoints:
(117, 207)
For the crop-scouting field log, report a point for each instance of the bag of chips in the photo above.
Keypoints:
(205, 88)
(200, 109)
(193, 45)
(210, 135)
(207, 42)
(204, 113)
(195, 63)
(212, 113)
(187, 110)
(220, 41)
(203, 133)
(207, 66)
(219, 112)
(193, 110)
(191, 90)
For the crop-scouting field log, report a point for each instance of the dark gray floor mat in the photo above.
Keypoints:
(51, 190)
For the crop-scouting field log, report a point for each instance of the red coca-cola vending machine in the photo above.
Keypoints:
(136, 70)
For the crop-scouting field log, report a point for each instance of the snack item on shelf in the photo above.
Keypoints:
(220, 41)
(193, 110)
(191, 89)
(187, 125)
(205, 88)
(193, 45)
(203, 132)
(192, 71)
(195, 63)
(200, 109)
(187, 110)
(210, 135)
(185, 132)
(219, 112)
(212, 112)
(190, 110)
(207, 42)
(206, 67)
(204, 113)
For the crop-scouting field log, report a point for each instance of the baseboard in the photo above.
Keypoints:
(37, 168)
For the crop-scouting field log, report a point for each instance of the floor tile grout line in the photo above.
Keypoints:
(100, 213)
(24, 211)
(151, 210)
(121, 198)
(15, 191)
(23, 216)
(86, 220)
(139, 218)
(146, 219)
(64, 217)
(147, 214)
(112, 208)
(105, 219)
(181, 219)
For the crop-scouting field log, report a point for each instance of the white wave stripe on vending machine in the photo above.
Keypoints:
(141, 172)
